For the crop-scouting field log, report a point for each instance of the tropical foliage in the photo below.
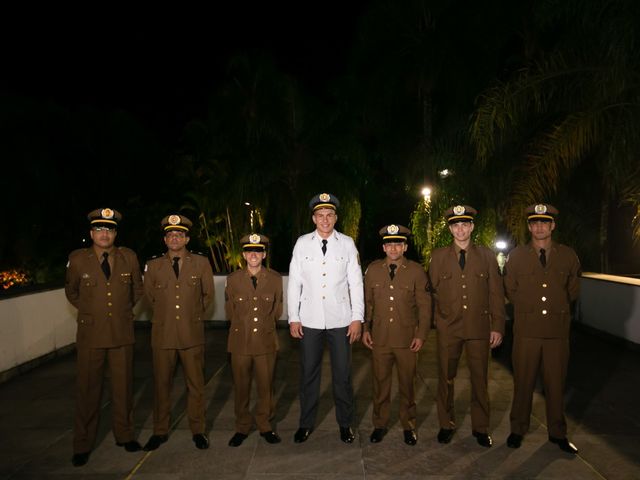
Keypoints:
(570, 116)
(492, 104)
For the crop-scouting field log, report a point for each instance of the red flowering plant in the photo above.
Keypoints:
(12, 278)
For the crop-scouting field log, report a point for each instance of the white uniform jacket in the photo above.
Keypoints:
(325, 291)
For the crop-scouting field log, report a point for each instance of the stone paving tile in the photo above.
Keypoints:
(36, 412)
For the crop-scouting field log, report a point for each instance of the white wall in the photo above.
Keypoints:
(611, 304)
(40, 323)
(34, 325)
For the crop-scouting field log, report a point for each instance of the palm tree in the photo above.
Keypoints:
(574, 107)
(264, 150)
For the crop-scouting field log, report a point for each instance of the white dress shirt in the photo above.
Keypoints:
(325, 291)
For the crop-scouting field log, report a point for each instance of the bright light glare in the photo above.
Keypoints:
(501, 244)
(445, 173)
(426, 192)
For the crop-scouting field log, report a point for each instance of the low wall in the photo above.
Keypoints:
(37, 324)
(611, 304)
(34, 325)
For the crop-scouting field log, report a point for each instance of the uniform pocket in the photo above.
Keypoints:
(85, 319)
(482, 276)
(442, 279)
(87, 283)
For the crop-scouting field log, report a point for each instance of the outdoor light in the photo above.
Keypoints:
(501, 244)
(247, 204)
(426, 193)
(445, 173)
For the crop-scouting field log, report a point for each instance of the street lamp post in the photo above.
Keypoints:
(426, 195)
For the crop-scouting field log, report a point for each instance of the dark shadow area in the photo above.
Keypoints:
(602, 391)
(36, 414)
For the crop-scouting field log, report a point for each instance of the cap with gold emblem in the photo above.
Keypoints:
(104, 217)
(394, 234)
(460, 213)
(254, 243)
(324, 200)
(541, 212)
(176, 222)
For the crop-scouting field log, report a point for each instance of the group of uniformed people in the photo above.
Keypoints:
(390, 309)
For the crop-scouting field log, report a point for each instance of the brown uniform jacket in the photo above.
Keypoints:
(542, 297)
(468, 304)
(179, 304)
(396, 311)
(253, 313)
(105, 308)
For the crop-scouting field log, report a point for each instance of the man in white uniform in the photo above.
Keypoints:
(326, 300)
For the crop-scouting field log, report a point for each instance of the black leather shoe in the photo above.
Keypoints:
(80, 459)
(484, 439)
(271, 437)
(514, 440)
(237, 439)
(445, 435)
(565, 445)
(410, 437)
(201, 441)
(301, 435)
(154, 442)
(346, 435)
(132, 446)
(377, 435)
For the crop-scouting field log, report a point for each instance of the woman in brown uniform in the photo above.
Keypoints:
(253, 304)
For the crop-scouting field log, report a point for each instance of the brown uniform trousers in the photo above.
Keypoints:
(541, 298)
(469, 305)
(179, 305)
(105, 334)
(253, 342)
(396, 312)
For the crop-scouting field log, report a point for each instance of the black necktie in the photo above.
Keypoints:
(176, 266)
(392, 270)
(463, 260)
(324, 247)
(106, 268)
(254, 280)
(543, 257)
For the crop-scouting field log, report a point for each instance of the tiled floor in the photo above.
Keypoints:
(603, 395)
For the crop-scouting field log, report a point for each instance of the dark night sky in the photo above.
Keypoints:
(161, 65)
